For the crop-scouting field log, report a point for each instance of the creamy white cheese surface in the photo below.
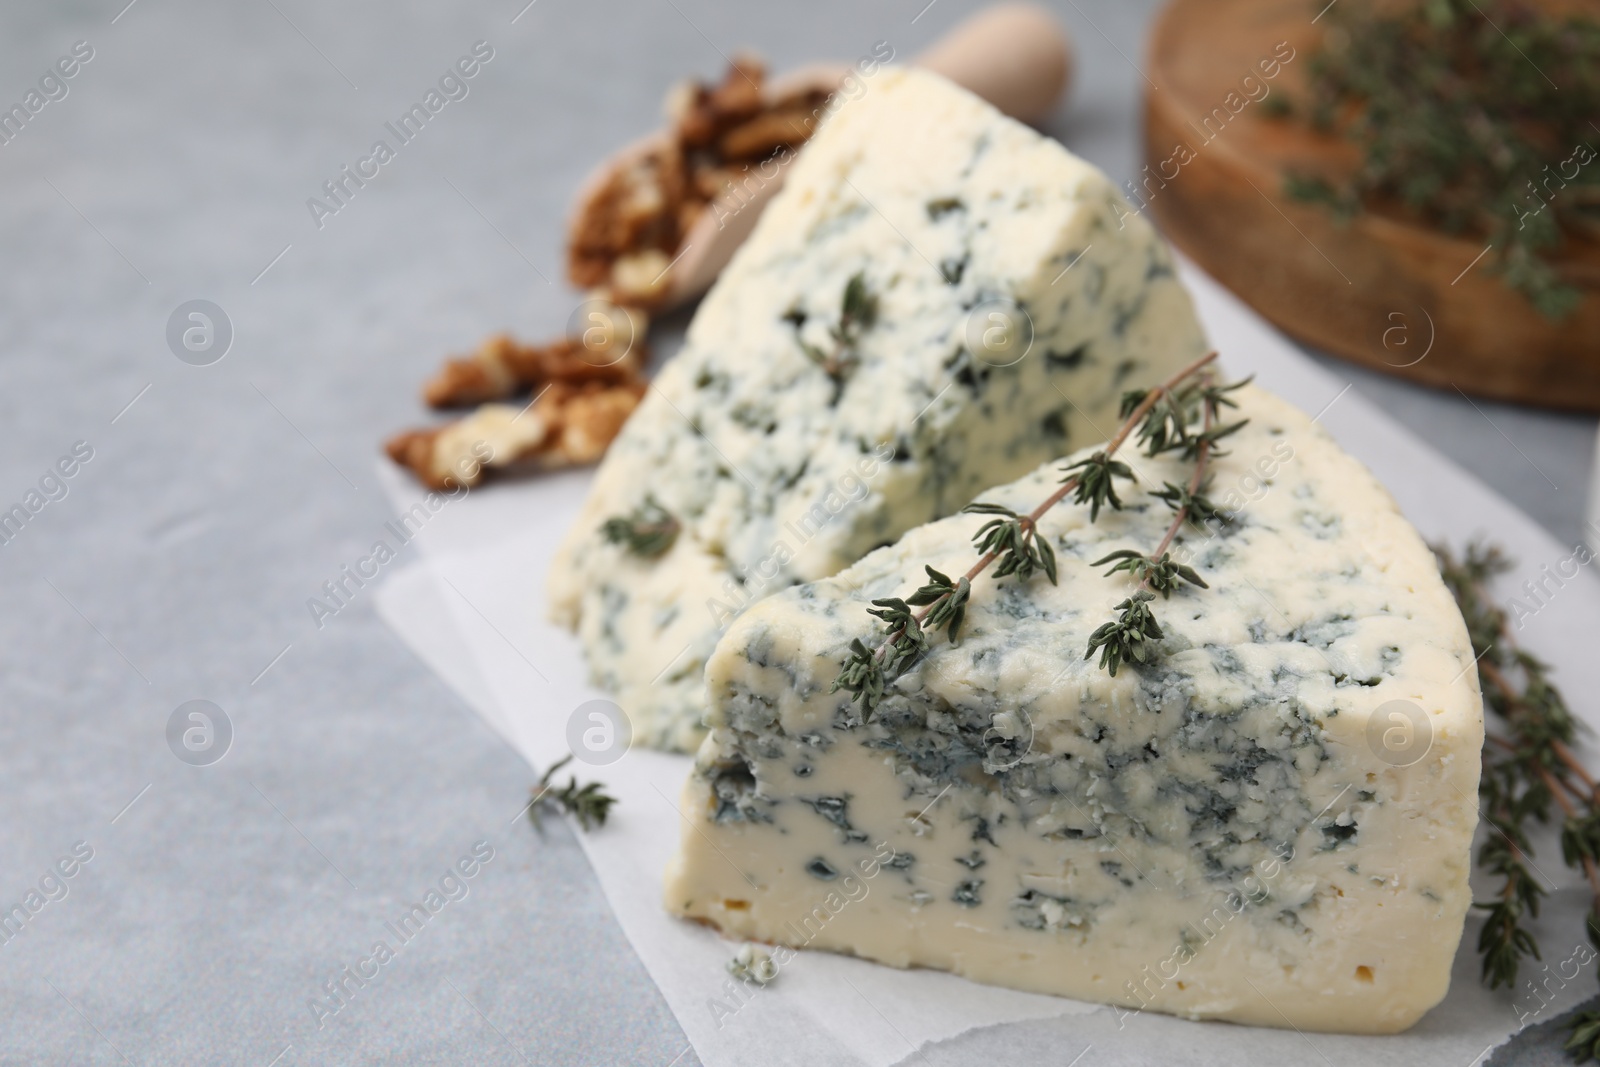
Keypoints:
(1271, 823)
(1016, 296)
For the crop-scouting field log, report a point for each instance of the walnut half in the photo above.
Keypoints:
(629, 226)
(613, 352)
(565, 425)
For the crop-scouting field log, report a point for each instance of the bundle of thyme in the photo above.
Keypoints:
(1179, 415)
(1478, 115)
(589, 804)
(1531, 774)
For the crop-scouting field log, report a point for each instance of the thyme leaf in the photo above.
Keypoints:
(1584, 1044)
(906, 639)
(1015, 541)
(1128, 637)
(1198, 509)
(589, 804)
(1160, 575)
(1166, 424)
(1094, 482)
(862, 676)
(858, 309)
(648, 531)
(949, 601)
(858, 312)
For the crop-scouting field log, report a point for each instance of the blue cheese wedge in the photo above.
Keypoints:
(1269, 823)
(1013, 296)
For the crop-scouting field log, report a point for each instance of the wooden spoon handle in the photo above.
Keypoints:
(1015, 56)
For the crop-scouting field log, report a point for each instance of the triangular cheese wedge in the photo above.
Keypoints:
(1013, 296)
(1270, 822)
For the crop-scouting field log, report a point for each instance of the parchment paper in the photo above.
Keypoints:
(474, 610)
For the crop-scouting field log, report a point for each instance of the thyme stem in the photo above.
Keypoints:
(1489, 672)
(1182, 515)
(1558, 789)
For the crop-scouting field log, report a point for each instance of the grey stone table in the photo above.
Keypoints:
(206, 503)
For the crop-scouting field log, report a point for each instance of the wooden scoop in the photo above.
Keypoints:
(1014, 55)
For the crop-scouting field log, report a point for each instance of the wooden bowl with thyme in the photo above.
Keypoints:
(1411, 186)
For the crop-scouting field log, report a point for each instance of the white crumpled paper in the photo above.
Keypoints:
(474, 609)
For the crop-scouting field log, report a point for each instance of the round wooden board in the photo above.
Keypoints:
(1379, 291)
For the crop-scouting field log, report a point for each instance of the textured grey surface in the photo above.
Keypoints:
(179, 562)
(1541, 1045)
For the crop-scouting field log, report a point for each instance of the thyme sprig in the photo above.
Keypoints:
(867, 671)
(648, 531)
(858, 311)
(1584, 1042)
(1160, 575)
(1169, 424)
(1531, 774)
(947, 601)
(589, 803)
(1475, 115)
(1014, 539)
(1094, 485)
(1197, 508)
(1132, 635)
